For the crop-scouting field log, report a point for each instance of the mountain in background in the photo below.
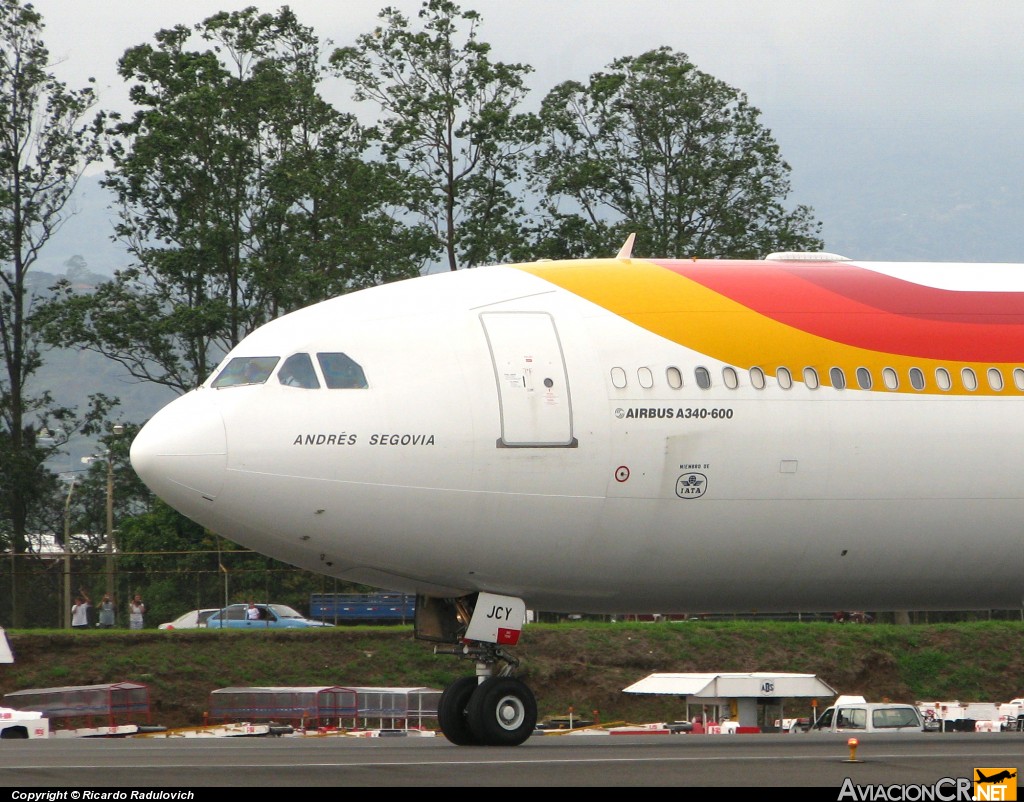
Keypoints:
(903, 189)
(72, 375)
(87, 234)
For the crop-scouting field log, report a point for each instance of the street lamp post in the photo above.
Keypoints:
(118, 430)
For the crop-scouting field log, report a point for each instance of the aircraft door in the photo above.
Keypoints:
(533, 386)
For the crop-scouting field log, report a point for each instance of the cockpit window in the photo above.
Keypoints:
(297, 371)
(246, 370)
(341, 372)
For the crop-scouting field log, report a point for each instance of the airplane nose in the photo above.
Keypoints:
(181, 454)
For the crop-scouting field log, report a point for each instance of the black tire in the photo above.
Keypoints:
(451, 712)
(502, 712)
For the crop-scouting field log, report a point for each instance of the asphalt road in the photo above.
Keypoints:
(719, 761)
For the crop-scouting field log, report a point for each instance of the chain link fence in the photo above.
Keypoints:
(169, 584)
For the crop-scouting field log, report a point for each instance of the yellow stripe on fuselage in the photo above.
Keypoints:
(707, 322)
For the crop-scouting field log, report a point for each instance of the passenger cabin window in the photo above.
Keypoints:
(838, 378)
(341, 372)
(1018, 378)
(246, 370)
(864, 378)
(297, 371)
(995, 379)
(969, 379)
(785, 378)
(732, 381)
(890, 379)
(618, 378)
(674, 377)
(943, 379)
(811, 378)
(645, 377)
(916, 378)
(703, 378)
(757, 378)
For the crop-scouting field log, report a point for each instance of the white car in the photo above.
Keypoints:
(193, 619)
(854, 717)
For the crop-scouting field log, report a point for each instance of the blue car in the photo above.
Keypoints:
(270, 616)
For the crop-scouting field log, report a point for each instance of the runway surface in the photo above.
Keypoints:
(796, 760)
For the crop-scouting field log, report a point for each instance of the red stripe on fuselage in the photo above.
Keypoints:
(862, 308)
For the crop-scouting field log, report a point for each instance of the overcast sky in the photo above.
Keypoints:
(900, 120)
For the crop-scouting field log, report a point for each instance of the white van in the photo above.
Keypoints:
(859, 717)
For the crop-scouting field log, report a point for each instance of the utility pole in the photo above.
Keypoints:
(118, 430)
(110, 523)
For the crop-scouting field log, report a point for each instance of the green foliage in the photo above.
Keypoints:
(923, 669)
(242, 195)
(657, 147)
(448, 118)
(58, 674)
(46, 143)
(178, 566)
(584, 665)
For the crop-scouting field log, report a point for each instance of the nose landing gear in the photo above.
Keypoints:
(493, 708)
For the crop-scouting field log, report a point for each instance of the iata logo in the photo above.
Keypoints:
(691, 485)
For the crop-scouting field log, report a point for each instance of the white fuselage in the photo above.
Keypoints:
(519, 439)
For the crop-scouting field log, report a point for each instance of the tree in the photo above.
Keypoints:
(241, 194)
(657, 147)
(129, 496)
(179, 566)
(449, 119)
(46, 143)
(167, 558)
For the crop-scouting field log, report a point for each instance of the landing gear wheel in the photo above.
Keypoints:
(502, 712)
(451, 712)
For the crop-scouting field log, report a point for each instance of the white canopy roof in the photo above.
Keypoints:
(715, 687)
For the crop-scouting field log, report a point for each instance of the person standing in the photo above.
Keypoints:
(106, 608)
(136, 611)
(80, 610)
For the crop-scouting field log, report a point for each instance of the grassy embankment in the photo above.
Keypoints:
(581, 665)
